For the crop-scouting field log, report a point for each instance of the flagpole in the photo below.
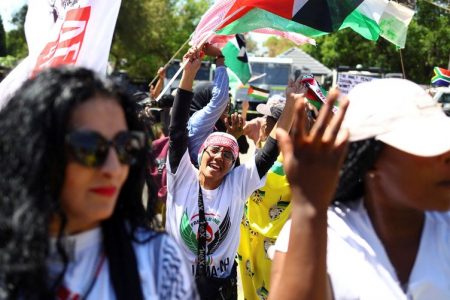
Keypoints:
(171, 59)
(183, 64)
(401, 62)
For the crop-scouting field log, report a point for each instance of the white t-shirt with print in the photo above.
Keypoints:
(162, 269)
(359, 267)
(223, 211)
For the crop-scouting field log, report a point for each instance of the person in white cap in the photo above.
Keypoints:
(205, 205)
(384, 233)
(258, 129)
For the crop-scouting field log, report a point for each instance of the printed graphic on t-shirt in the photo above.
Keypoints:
(276, 210)
(216, 232)
(258, 196)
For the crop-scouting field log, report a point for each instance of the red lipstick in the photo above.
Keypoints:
(106, 191)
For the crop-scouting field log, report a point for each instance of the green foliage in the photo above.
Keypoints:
(426, 47)
(276, 45)
(2, 39)
(9, 61)
(250, 44)
(15, 39)
(148, 33)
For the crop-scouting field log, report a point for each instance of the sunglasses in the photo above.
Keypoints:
(214, 150)
(91, 149)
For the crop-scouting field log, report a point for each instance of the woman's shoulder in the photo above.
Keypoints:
(348, 212)
(441, 218)
(156, 245)
(148, 238)
(438, 225)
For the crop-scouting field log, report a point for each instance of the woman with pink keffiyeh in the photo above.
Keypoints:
(205, 205)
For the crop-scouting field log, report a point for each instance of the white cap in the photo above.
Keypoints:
(273, 107)
(399, 113)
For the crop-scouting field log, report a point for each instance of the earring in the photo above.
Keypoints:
(371, 175)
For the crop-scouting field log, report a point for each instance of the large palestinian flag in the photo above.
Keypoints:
(323, 15)
(312, 18)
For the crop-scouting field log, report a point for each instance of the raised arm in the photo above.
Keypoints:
(201, 124)
(264, 159)
(312, 161)
(178, 135)
(156, 90)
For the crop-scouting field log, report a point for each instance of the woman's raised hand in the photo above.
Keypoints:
(192, 61)
(312, 159)
(235, 125)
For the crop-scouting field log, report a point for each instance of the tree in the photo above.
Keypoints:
(3, 50)
(426, 47)
(15, 39)
(250, 44)
(277, 45)
(149, 33)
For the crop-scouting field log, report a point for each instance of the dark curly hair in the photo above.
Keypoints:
(361, 157)
(32, 163)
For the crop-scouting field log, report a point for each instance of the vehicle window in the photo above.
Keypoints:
(276, 74)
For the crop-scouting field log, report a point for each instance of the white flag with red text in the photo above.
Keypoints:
(68, 32)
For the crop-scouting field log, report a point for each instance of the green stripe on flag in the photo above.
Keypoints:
(394, 23)
(363, 25)
(241, 69)
(257, 93)
(258, 96)
(259, 18)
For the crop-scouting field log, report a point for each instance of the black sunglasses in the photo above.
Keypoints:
(90, 148)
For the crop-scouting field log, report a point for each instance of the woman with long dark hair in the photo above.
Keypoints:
(72, 222)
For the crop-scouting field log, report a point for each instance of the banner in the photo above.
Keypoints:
(69, 32)
(346, 82)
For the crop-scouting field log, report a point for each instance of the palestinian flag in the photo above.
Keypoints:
(215, 17)
(258, 93)
(315, 94)
(394, 23)
(441, 77)
(236, 58)
(311, 18)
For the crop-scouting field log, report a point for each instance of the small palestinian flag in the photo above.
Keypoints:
(236, 58)
(258, 93)
(316, 94)
(441, 77)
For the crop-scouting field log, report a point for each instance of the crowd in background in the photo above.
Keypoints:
(107, 195)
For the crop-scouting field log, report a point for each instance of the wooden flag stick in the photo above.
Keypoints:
(401, 62)
(183, 64)
(171, 59)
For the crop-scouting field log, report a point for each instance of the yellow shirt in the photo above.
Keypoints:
(265, 213)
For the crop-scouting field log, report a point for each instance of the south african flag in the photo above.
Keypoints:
(441, 77)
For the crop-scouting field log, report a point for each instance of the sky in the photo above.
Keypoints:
(7, 10)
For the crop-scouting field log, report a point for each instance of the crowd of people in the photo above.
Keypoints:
(98, 202)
